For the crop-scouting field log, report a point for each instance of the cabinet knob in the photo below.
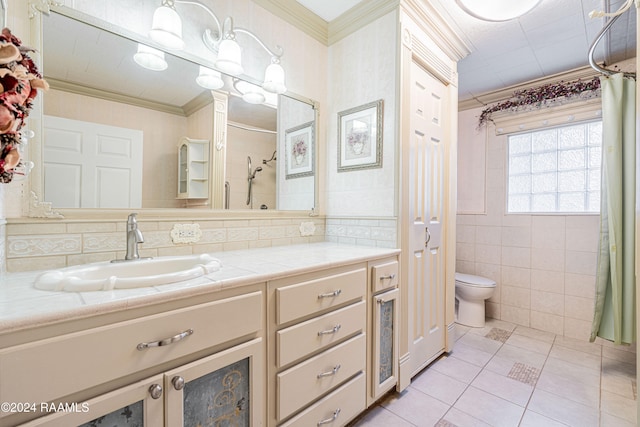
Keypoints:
(155, 391)
(178, 383)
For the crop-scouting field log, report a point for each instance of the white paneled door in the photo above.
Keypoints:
(426, 270)
(89, 165)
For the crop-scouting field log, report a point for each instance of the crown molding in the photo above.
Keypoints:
(325, 32)
(111, 96)
(358, 16)
(491, 97)
(436, 27)
(298, 16)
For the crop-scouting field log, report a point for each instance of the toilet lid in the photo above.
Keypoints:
(471, 280)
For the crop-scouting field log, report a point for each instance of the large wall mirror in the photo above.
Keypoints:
(111, 129)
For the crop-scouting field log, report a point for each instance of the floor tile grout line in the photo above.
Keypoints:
(526, 407)
(469, 384)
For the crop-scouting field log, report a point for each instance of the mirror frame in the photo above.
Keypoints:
(35, 207)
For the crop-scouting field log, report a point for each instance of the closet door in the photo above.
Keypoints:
(426, 187)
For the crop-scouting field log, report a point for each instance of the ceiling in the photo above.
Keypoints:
(553, 38)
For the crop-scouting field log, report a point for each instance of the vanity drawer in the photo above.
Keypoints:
(337, 408)
(299, 340)
(299, 385)
(303, 299)
(384, 275)
(56, 367)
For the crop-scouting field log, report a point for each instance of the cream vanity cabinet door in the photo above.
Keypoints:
(140, 404)
(225, 389)
(193, 169)
(384, 327)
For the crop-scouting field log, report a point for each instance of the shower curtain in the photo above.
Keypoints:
(614, 317)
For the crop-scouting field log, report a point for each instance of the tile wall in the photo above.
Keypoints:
(45, 245)
(377, 232)
(544, 265)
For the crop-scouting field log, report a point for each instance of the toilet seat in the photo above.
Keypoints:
(475, 281)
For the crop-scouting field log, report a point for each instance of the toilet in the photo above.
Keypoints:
(471, 292)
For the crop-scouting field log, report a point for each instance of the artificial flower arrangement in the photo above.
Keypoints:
(540, 96)
(19, 84)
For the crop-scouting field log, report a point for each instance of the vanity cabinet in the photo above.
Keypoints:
(154, 362)
(303, 348)
(193, 169)
(317, 367)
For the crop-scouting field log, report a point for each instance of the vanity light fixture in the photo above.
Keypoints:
(251, 93)
(167, 31)
(150, 58)
(209, 79)
(166, 27)
(497, 10)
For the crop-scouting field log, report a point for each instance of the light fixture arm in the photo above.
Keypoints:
(225, 30)
(275, 56)
(219, 33)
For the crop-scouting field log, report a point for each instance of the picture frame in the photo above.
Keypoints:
(360, 137)
(299, 144)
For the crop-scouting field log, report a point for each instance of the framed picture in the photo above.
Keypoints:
(360, 137)
(298, 144)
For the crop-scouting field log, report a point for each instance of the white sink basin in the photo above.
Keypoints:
(104, 276)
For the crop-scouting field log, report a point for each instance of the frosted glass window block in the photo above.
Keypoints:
(564, 169)
(571, 136)
(595, 133)
(520, 184)
(595, 157)
(544, 141)
(572, 181)
(595, 176)
(543, 203)
(519, 164)
(519, 144)
(594, 201)
(544, 162)
(572, 159)
(571, 202)
(520, 203)
(544, 182)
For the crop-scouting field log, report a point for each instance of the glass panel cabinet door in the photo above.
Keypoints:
(138, 405)
(220, 390)
(385, 342)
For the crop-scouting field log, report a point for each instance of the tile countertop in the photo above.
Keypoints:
(23, 306)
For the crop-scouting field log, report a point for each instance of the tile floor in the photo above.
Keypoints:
(508, 375)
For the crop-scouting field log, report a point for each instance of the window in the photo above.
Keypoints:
(555, 170)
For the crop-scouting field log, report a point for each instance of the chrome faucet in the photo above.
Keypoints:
(134, 236)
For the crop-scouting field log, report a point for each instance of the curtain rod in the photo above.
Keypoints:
(599, 37)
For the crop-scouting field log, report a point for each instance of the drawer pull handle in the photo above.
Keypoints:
(389, 277)
(331, 331)
(155, 391)
(330, 373)
(330, 420)
(330, 294)
(166, 341)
